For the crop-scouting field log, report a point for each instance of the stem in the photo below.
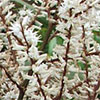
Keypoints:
(39, 81)
(8, 75)
(8, 36)
(86, 63)
(96, 87)
(64, 72)
(26, 81)
(24, 85)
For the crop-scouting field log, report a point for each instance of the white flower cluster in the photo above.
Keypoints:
(28, 71)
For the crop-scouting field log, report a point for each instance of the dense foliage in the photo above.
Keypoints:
(50, 50)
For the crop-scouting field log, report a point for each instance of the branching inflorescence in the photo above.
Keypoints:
(49, 52)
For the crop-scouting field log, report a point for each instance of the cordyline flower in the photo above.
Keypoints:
(28, 71)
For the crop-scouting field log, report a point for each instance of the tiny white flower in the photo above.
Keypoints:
(26, 20)
(41, 58)
(89, 89)
(33, 52)
(68, 95)
(16, 29)
(18, 47)
(24, 68)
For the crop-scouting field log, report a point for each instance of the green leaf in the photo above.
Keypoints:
(96, 38)
(51, 45)
(81, 76)
(44, 21)
(62, 98)
(81, 65)
(57, 40)
(96, 35)
(96, 32)
(0, 73)
(43, 32)
(89, 66)
(27, 63)
(60, 40)
(71, 75)
(23, 3)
